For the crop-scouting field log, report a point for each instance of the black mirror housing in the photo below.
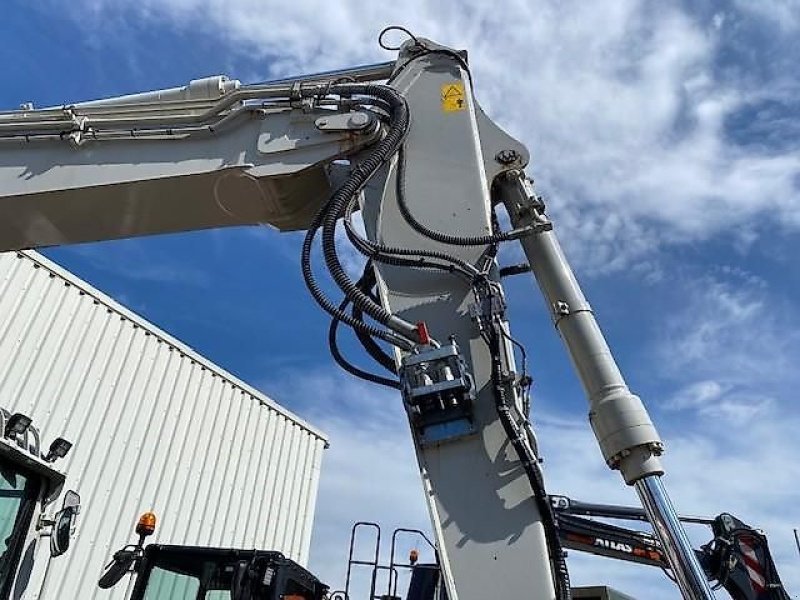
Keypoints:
(123, 562)
(63, 522)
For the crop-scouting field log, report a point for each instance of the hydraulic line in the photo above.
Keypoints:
(327, 305)
(390, 254)
(372, 348)
(438, 236)
(534, 473)
(528, 462)
(368, 282)
(335, 208)
(403, 334)
(333, 346)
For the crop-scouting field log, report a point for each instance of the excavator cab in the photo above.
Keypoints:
(196, 573)
(192, 573)
(177, 572)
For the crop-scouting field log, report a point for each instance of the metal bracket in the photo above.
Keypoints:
(438, 393)
(488, 308)
(354, 121)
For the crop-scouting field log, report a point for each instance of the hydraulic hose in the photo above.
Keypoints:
(390, 254)
(327, 305)
(381, 154)
(530, 465)
(366, 282)
(403, 334)
(438, 236)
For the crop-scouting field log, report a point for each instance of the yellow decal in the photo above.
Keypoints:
(453, 98)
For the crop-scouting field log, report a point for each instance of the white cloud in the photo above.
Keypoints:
(625, 119)
(731, 348)
(733, 329)
(783, 13)
(618, 103)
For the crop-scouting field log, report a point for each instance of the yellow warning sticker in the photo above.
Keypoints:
(453, 98)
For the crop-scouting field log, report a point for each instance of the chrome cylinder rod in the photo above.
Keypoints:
(681, 556)
(623, 428)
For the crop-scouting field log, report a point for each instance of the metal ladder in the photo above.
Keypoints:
(392, 569)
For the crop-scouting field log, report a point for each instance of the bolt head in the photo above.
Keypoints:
(359, 119)
(506, 157)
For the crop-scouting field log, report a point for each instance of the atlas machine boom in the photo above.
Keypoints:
(406, 144)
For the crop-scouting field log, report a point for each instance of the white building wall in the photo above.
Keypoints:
(155, 427)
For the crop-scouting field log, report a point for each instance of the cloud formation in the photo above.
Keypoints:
(652, 128)
(625, 106)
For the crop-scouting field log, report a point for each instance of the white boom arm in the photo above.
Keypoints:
(218, 153)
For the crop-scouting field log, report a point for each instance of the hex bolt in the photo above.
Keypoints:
(506, 157)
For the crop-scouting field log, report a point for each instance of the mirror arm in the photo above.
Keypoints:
(43, 522)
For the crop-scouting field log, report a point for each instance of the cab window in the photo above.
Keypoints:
(18, 493)
(163, 584)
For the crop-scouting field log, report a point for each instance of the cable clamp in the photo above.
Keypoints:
(539, 226)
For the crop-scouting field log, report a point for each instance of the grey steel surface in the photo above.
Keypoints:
(267, 167)
(487, 525)
(689, 575)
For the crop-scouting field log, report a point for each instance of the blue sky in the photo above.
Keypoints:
(664, 136)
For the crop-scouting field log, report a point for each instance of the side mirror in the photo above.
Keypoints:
(120, 565)
(63, 522)
(128, 559)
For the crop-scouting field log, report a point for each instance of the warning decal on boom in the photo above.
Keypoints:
(453, 97)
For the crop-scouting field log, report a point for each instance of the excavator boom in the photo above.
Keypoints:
(427, 169)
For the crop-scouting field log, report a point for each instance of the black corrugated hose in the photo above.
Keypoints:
(532, 469)
(365, 283)
(442, 238)
(327, 305)
(382, 153)
(390, 254)
(403, 334)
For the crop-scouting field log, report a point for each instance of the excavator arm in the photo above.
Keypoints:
(426, 168)
(737, 559)
(214, 153)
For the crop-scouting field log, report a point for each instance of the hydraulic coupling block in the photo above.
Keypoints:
(438, 393)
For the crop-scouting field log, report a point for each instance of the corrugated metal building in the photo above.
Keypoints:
(155, 426)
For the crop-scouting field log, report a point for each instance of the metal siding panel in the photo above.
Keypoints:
(156, 427)
(286, 485)
(261, 497)
(241, 522)
(52, 363)
(199, 474)
(311, 502)
(210, 482)
(238, 464)
(272, 504)
(299, 495)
